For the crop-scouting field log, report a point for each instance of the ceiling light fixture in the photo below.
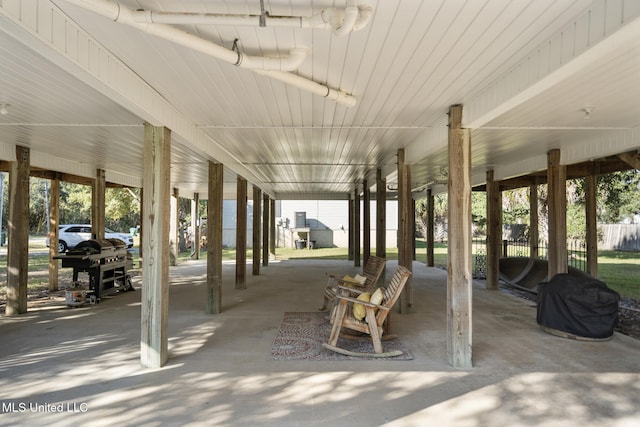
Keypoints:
(587, 112)
(4, 109)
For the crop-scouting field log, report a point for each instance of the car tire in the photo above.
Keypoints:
(62, 246)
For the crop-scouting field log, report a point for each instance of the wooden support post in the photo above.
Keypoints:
(534, 237)
(557, 200)
(155, 267)
(401, 204)
(173, 228)
(413, 229)
(494, 231)
(141, 231)
(459, 279)
(366, 221)
(405, 232)
(272, 228)
(265, 233)
(350, 229)
(214, 238)
(408, 239)
(430, 228)
(241, 233)
(18, 229)
(356, 227)
(195, 225)
(257, 229)
(54, 233)
(98, 205)
(381, 215)
(592, 226)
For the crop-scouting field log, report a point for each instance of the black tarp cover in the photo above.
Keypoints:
(581, 306)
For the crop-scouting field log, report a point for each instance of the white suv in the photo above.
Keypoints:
(69, 235)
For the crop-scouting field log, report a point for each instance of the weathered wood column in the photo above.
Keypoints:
(257, 229)
(98, 190)
(356, 227)
(155, 266)
(459, 279)
(241, 233)
(534, 237)
(214, 238)
(381, 215)
(494, 231)
(557, 200)
(173, 228)
(405, 229)
(591, 226)
(54, 232)
(272, 228)
(413, 229)
(266, 232)
(195, 225)
(18, 233)
(366, 221)
(430, 229)
(141, 231)
(350, 228)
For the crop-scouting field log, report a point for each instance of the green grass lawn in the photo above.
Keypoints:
(619, 270)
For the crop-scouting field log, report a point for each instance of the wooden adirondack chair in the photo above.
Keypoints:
(375, 316)
(372, 271)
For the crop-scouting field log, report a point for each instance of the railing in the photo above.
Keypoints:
(576, 253)
(479, 258)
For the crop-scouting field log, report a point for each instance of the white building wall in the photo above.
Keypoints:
(229, 223)
(328, 220)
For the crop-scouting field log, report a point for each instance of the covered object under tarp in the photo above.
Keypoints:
(578, 307)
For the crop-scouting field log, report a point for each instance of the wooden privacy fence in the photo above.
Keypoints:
(619, 237)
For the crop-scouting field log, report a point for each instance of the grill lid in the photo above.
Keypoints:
(94, 246)
(117, 243)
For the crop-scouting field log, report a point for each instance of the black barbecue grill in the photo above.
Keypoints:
(106, 261)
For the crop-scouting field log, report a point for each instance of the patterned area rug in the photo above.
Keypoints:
(301, 336)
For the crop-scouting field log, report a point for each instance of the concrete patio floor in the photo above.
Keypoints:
(85, 362)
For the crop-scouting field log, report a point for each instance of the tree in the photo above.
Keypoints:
(618, 196)
(515, 206)
(479, 213)
(122, 208)
(441, 206)
(75, 203)
(38, 205)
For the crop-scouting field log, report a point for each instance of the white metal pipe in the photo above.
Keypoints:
(274, 67)
(348, 22)
(323, 20)
(121, 14)
(366, 11)
(353, 18)
(179, 18)
(310, 86)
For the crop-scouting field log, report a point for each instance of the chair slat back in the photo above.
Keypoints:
(395, 286)
(373, 269)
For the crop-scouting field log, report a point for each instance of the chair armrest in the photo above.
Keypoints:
(343, 280)
(356, 291)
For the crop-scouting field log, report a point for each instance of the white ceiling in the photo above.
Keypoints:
(524, 71)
